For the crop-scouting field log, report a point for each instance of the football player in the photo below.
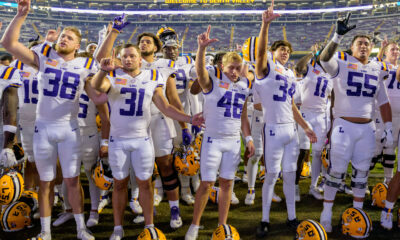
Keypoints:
(62, 79)
(274, 88)
(130, 92)
(315, 91)
(358, 85)
(225, 111)
(184, 76)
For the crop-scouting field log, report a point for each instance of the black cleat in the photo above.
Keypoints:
(292, 224)
(262, 229)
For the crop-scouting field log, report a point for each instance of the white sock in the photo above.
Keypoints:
(329, 192)
(267, 193)
(134, 185)
(185, 181)
(357, 204)
(158, 182)
(94, 191)
(149, 226)
(80, 221)
(252, 166)
(328, 206)
(315, 168)
(173, 204)
(289, 179)
(119, 227)
(65, 196)
(389, 205)
(45, 224)
(388, 173)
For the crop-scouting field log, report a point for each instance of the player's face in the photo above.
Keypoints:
(392, 52)
(232, 70)
(361, 48)
(282, 54)
(92, 48)
(147, 46)
(130, 59)
(170, 52)
(67, 42)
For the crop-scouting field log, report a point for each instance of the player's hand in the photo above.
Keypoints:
(387, 135)
(342, 25)
(314, 48)
(311, 135)
(186, 137)
(120, 22)
(7, 158)
(384, 42)
(196, 130)
(110, 64)
(268, 15)
(204, 40)
(23, 7)
(250, 149)
(103, 152)
(52, 34)
(198, 120)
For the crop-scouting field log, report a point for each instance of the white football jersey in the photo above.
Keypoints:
(275, 93)
(130, 99)
(9, 77)
(60, 84)
(183, 75)
(316, 88)
(87, 112)
(357, 86)
(28, 94)
(393, 87)
(223, 105)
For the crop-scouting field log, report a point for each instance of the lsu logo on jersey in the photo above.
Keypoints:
(52, 62)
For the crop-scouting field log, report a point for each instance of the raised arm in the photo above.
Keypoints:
(106, 46)
(384, 43)
(100, 82)
(11, 35)
(262, 49)
(301, 65)
(203, 41)
(327, 61)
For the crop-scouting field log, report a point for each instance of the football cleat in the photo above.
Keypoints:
(187, 196)
(326, 220)
(225, 232)
(16, 216)
(234, 199)
(387, 219)
(249, 49)
(176, 220)
(276, 198)
(117, 234)
(63, 218)
(93, 219)
(262, 229)
(158, 196)
(378, 195)
(135, 206)
(244, 178)
(310, 230)
(85, 234)
(151, 233)
(250, 196)
(102, 175)
(42, 236)
(356, 223)
(11, 187)
(104, 201)
(292, 224)
(185, 161)
(192, 232)
(315, 193)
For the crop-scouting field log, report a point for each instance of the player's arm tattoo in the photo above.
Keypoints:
(301, 66)
(329, 51)
(10, 104)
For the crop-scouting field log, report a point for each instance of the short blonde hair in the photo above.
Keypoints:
(76, 31)
(387, 46)
(230, 57)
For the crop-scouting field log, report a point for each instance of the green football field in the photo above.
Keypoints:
(244, 218)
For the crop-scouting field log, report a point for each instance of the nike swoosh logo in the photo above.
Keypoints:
(92, 136)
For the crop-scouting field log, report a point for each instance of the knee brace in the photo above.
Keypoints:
(388, 160)
(334, 179)
(170, 186)
(359, 178)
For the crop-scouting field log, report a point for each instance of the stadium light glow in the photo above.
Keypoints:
(206, 12)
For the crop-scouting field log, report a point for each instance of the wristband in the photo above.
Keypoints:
(104, 143)
(248, 139)
(116, 30)
(9, 128)
(388, 125)
(337, 38)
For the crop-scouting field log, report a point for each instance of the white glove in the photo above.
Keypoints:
(7, 158)
(387, 135)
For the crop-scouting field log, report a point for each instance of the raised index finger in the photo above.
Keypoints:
(208, 29)
(272, 4)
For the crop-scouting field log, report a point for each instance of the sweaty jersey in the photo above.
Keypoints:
(130, 99)
(392, 87)
(275, 93)
(357, 86)
(316, 88)
(87, 115)
(60, 84)
(28, 94)
(223, 105)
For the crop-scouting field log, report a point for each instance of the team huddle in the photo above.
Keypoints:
(160, 124)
